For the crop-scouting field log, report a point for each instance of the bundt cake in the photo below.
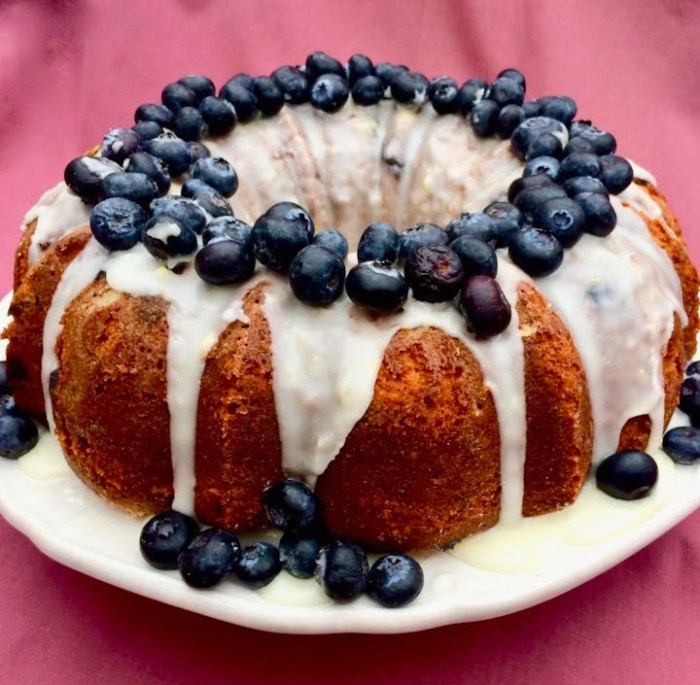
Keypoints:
(187, 358)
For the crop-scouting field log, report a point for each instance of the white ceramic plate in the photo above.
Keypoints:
(496, 573)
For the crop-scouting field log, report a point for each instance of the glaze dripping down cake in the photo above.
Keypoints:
(169, 384)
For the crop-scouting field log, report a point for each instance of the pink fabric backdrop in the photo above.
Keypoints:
(71, 69)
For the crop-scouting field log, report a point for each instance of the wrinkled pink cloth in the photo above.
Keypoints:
(71, 69)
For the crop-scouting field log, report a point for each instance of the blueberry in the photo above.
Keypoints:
(542, 165)
(682, 444)
(186, 211)
(317, 276)
(563, 218)
(119, 143)
(530, 198)
(578, 145)
(410, 87)
(527, 182)
(242, 80)
(8, 406)
(332, 240)
(329, 93)
(175, 96)
(277, 240)
(628, 475)
(604, 143)
(580, 164)
(197, 151)
(319, 64)
(212, 202)
(160, 114)
(368, 90)
(536, 252)
(223, 262)
(509, 118)
(144, 163)
(442, 93)
(601, 218)
(201, 86)
(358, 67)
(546, 145)
(561, 107)
(420, 234)
(243, 100)
(690, 397)
(584, 184)
(117, 223)
(189, 124)
(379, 241)
(377, 286)
(164, 236)
(228, 228)
(342, 571)
(147, 130)
(172, 150)
(471, 92)
(475, 224)
(506, 91)
(507, 220)
(290, 211)
(258, 565)
(210, 557)
(483, 118)
(387, 71)
(531, 109)
(533, 128)
(18, 434)
(616, 173)
(268, 94)
(693, 369)
(478, 258)
(219, 115)
(292, 507)
(484, 306)
(298, 554)
(515, 75)
(164, 536)
(85, 176)
(294, 84)
(134, 186)
(434, 273)
(218, 173)
(4, 385)
(395, 580)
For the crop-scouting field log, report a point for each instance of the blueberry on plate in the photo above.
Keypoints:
(536, 252)
(627, 475)
(224, 262)
(529, 199)
(409, 87)
(515, 75)
(117, 223)
(379, 241)
(420, 234)
(471, 92)
(476, 224)
(477, 257)
(241, 79)
(342, 570)
(509, 118)
(165, 236)
(269, 95)
(329, 93)
(580, 164)
(290, 211)
(218, 173)
(299, 553)
(601, 218)
(211, 201)
(507, 220)
(175, 96)
(227, 228)
(546, 145)
(219, 115)
(563, 218)
(119, 143)
(682, 444)
(693, 369)
(532, 108)
(560, 107)
(483, 118)
(359, 66)
(616, 173)
(690, 397)
(85, 176)
(584, 184)
(368, 90)
(376, 286)
(387, 72)
(442, 93)
(201, 86)
(159, 114)
(527, 182)
(8, 406)
(4, 385)
(533, 128)
(317, 276)
(319, 63)
(604, 143)
(154, 168)
(210, 557)
(484, 306)
(189, 124)
(258, 565)
(18, 434)
(395, 580)
(133, 186)
(434, 273)
(579, 144)
(506, 91)
(172, 150)
(542, 165)
(277, 240)
(292, 507)
(147, 130)
(185, 210)
(197, 151)
(294, 84)
(332, 240)
(164, 536)
(243, 100)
